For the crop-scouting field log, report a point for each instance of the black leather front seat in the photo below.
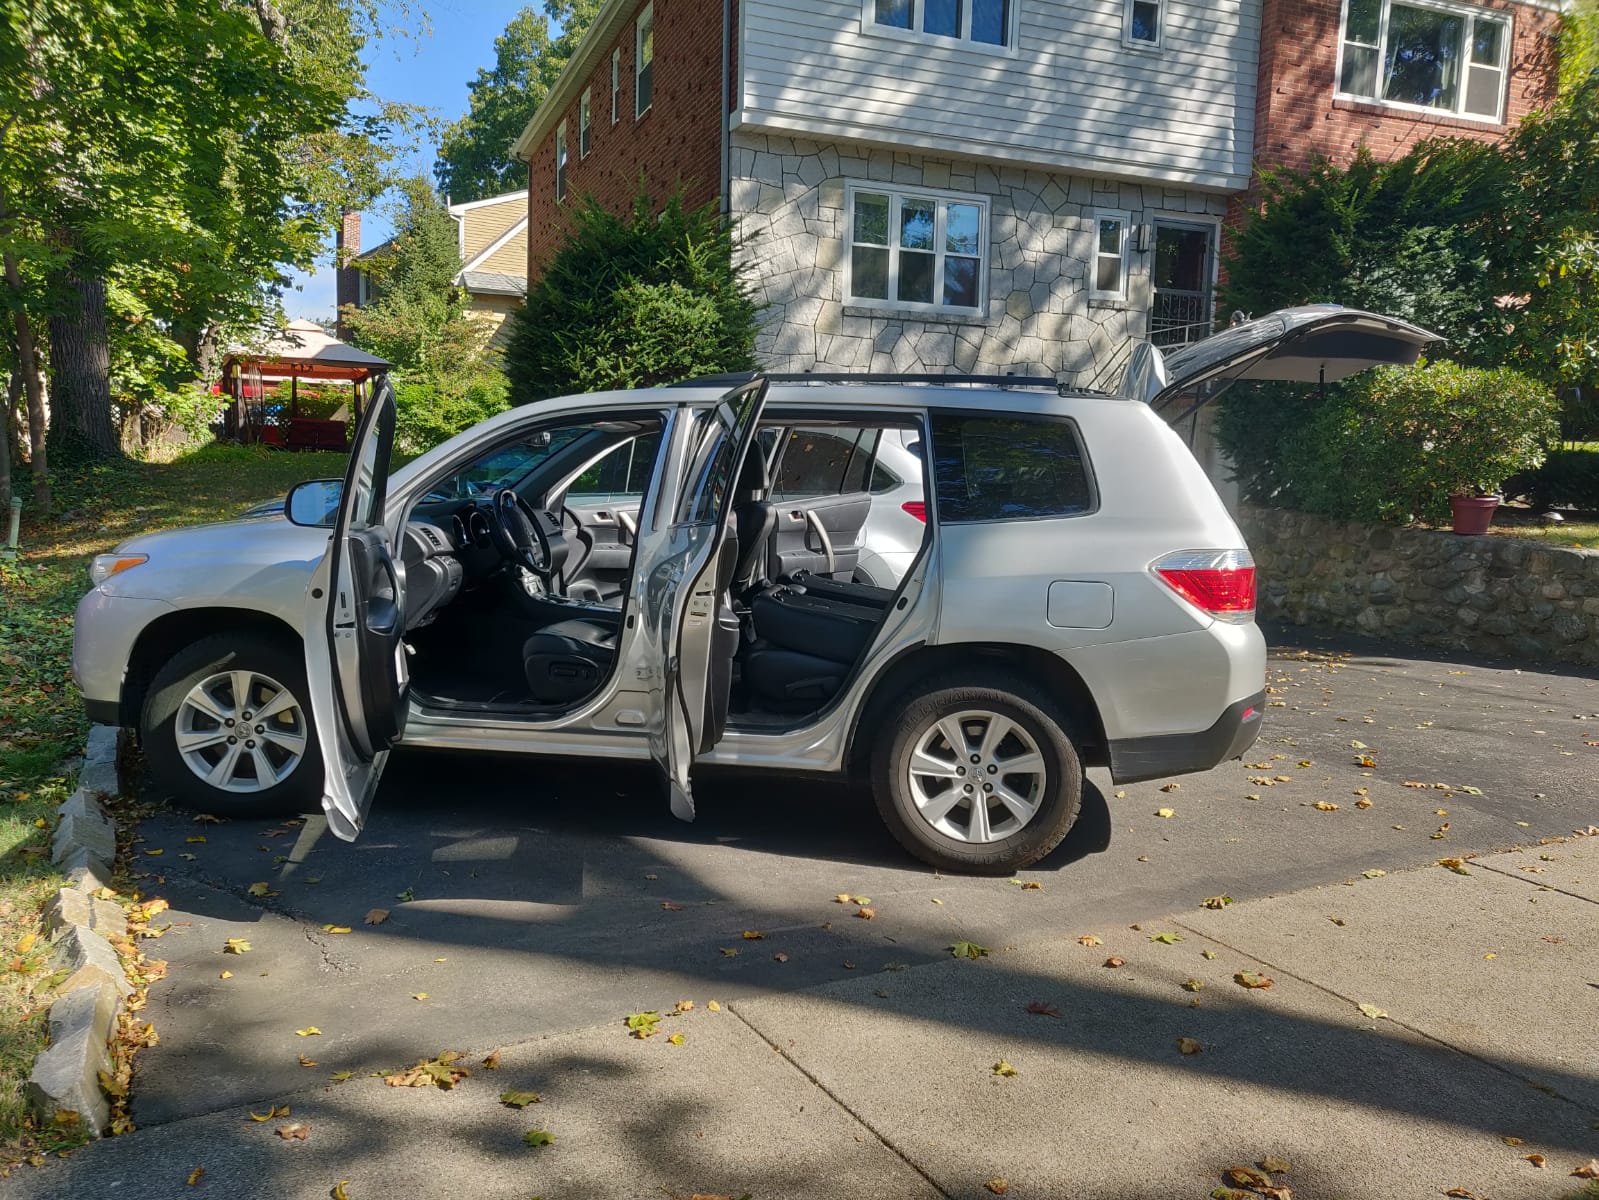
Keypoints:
(566, 661)
(754, 519)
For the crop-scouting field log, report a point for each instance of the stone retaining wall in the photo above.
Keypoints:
(1488, 595)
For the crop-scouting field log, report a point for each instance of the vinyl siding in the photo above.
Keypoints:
(484, 225)
(509, 259)
(1070, 97)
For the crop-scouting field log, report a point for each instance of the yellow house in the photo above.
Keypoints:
(492, 237)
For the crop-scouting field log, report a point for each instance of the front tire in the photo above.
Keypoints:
(977, 775)
(227, 728)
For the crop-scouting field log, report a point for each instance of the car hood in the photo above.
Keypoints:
(248, 539)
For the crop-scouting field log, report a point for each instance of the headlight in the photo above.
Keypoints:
(106, 565)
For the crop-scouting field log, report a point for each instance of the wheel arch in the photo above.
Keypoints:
(1049, 671)
(171, 632)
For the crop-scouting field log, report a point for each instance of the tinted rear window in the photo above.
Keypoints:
(1008, 468)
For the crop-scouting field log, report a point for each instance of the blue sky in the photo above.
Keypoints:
(432, 69)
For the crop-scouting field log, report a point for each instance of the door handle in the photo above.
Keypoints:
(815, 522)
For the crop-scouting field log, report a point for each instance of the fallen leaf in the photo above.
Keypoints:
(1512, 1141)
(1040, 1009)
(1374, 873)
(1208, 953)
(306, 1061)
(841, 898)
(1588, 1170)
(780, 957)
(443, 1072)
(1275, 1165)
(195, 839)
(1032, 885)
(273, 1112)
(643, 1024)
(1188, 1045)
(1359, 746)
(712, 1006)
(1365, 760)
(684, 1006)
(338, 1192)
(728, 951)
(676, 1039)
(226, 975)
(298, 1132)
(419, 995)
(259, 889)
(1455, 865)
(1461, 1193)
(1166, 812)
(1170, 787)
(1363, 802)
(968, 950)
(376, 916)
(1372, 1011)
(1325, 806)
(1251, 979)
(1089, 939)
(998, 1186)
(519, 1099)
(1115, 962)
(1215, 902)
(538, 1137)
(1004, 1069)
(753, 935)
(335, 929)
(157, 853)
(342, 1076)
(1193, 985)
(1166, 939)
(308, 1031)
(866, 914)
(671, 906)
(1247, 1177)
(235, 946)
(1537, 1160)
(936, 900)
(195, 1176)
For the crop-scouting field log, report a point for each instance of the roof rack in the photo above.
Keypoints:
(1001, 381)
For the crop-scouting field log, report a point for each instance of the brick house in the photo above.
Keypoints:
(995, 185)
(491, 235)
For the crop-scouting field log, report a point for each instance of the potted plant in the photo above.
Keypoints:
(1472, 511)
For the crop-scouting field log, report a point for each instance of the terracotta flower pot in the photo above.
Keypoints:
(1473, 514)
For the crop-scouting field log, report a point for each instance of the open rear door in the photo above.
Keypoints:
(687, 610)
(1320, 343)
(354, 652)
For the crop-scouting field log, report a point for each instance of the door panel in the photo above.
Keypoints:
(355, 618)
(820, 535)
(605, 534)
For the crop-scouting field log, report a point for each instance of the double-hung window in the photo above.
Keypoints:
(560, 162)
(917, 248)
(616, 82)
(1425, 55)
(1143, 21)
(985, 22)
(585, 125)
(644, 61)
(1110, 256)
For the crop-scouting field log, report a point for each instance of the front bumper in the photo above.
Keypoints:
(103, 635)
(1133, 760)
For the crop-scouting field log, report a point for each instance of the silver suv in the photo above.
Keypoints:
(671, 574)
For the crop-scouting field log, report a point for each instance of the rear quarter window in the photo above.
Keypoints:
(991, 468)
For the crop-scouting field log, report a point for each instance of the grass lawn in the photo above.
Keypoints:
(1579, 531)
(41, 719)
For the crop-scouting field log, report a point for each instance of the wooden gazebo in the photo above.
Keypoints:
(253, 379)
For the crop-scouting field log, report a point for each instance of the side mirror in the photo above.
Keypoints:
(314, 503)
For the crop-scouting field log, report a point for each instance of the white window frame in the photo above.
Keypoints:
(1133, 43)
(1095, 292)
(1471, 13)
(870, 28)
(562, 158)
(585, 124)
(616, 83)
(898, 194)
(646, 17)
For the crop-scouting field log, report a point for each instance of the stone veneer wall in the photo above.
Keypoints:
(788, 196)
(1489, 595)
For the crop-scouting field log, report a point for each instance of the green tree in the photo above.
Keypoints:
(1579, 43)
(474, 158)
(634, 301)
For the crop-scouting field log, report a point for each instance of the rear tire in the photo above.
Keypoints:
(274, 764)
(1001, 800)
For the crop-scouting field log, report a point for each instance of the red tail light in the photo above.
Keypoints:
(917, 509)
(1219, 582)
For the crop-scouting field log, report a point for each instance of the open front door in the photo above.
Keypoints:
(1320, 343)
(688, 614)
(354, 653)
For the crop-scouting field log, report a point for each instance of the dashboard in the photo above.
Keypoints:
(446, 546)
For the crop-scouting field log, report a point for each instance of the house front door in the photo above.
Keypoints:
(1184, 268)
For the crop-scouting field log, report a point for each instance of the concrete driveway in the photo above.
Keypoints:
(530, 908)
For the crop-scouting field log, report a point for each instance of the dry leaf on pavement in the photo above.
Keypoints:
(308, 1062)
(712, 1006)
(1537, 1160)
(1089, 939)
(235, 946)
(1247, 1177)
(1041, 1009)
(330, 928)
(1215, 902)
(1251, 979)
(968, 950)
(308, 1031)
(492, 1060)
(684, 1006)
(1372, 1011)
(753, 935)
(671, 906)
(1188, 1045)
(1277, 1166)
(538, 1137)
(676, 1039)
(338, 1192)
(1588, 1170)
(1004, 1069)
(519, 1099)
(1166, 812)
(1325, 806)
(298, 1132)
(273, 1112)
(643, 1024)
(443, 1072)
(866, 914)
(376, 916)
(1113, 961)
(1166, 939)
(998, 1186)
(1455, 865)
(1193, 985)
(195, 1176)
(780, 957)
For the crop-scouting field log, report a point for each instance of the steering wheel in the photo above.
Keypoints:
(520, 536)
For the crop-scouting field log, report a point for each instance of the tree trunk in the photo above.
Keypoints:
(80, 369)
(33, 386)
(7, 441)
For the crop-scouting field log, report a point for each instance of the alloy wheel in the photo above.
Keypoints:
(241, 731)
(976, 776)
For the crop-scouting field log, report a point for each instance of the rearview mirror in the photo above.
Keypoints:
(314, 503)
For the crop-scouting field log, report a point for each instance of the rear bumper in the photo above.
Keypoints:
(1135, 759)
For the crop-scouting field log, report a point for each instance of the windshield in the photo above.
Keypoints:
(503, 466)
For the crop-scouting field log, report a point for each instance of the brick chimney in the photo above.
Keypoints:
(346, 246)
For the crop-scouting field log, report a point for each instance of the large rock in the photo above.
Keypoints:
(75, 906)
(88, 959)
(86, 831)
(66, 1079)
